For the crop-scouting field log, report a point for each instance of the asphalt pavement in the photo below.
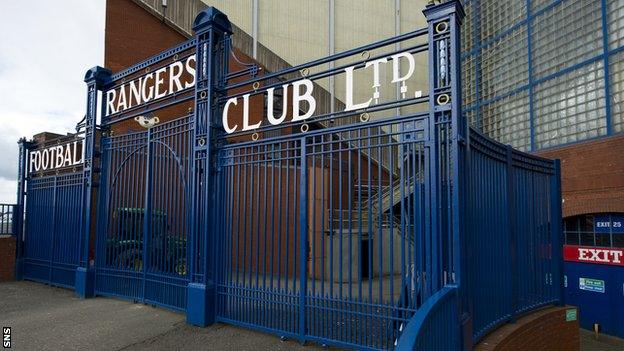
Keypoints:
(48, 318)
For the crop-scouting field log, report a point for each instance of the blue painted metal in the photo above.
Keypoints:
(95, 78)
(605, 57)
(510, 192)
(211, 28)
(596, 307)
(51, 246)
(531, 84)
(19, 209)
(355, 233)
(436, 324)
(142, 231)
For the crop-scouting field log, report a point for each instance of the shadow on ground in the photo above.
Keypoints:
(47, 318)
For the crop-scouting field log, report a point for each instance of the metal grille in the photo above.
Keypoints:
(52, 240)
(7, 222)
(142, 234)
(360, 227)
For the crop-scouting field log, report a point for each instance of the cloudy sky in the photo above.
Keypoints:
(45, 49)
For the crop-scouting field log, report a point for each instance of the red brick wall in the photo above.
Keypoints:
(132, 34)
(545, 329)
(7, 257)
(592, 175)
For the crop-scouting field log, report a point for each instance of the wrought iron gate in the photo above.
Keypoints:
(322, 241)
(143, 226)
(51, 247)
(358, 224)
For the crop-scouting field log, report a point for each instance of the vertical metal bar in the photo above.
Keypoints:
(53, 229)
(605, 58)
(557, 260)
(512, 238)
(530, 75)
(254, 28)
(303, 238)
(19, 211)
(147, 215)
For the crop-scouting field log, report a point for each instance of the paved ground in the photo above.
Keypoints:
(47, 318)
(602, 343)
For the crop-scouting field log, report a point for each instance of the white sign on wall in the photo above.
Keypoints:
(55, 157)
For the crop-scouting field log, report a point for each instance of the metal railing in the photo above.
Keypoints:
(435, 326)
(512, 238)
(7, 212)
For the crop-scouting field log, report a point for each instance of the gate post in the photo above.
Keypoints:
(556, 234)
(211, 28)
(443, 22)
(96, 79)
(18, 215)
(446, 144)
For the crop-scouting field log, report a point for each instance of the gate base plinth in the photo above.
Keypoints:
(200, 304)
(84, 282)
(19, 269)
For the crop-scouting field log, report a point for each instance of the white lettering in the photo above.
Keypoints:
(232, 101)
(32, 160)
(59, 157)
(159, 82)
(395, 70)
(174, 77)
(110, 99)
(135, 91)
(350, 106)
(298, 98)
(147, 97)
(246, 125)
(121, 101)
(275, 121)
(191, 70)
(616, 256)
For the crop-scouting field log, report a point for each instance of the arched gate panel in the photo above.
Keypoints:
(142, 229)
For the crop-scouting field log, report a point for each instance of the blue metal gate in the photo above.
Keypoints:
(322, 240)
(356, 224)
(141, 244)
(338, 227)
(52, 240)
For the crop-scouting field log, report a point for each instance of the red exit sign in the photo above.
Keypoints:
(596, 255)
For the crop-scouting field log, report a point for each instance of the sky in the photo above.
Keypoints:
(45, 49)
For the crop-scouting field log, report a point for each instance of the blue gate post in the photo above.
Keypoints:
(18, 215)
(445, 186)
(444, 21)
(211, 27)
(557, 235)
(96, 79)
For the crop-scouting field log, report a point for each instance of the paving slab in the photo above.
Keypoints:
(42, 317)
